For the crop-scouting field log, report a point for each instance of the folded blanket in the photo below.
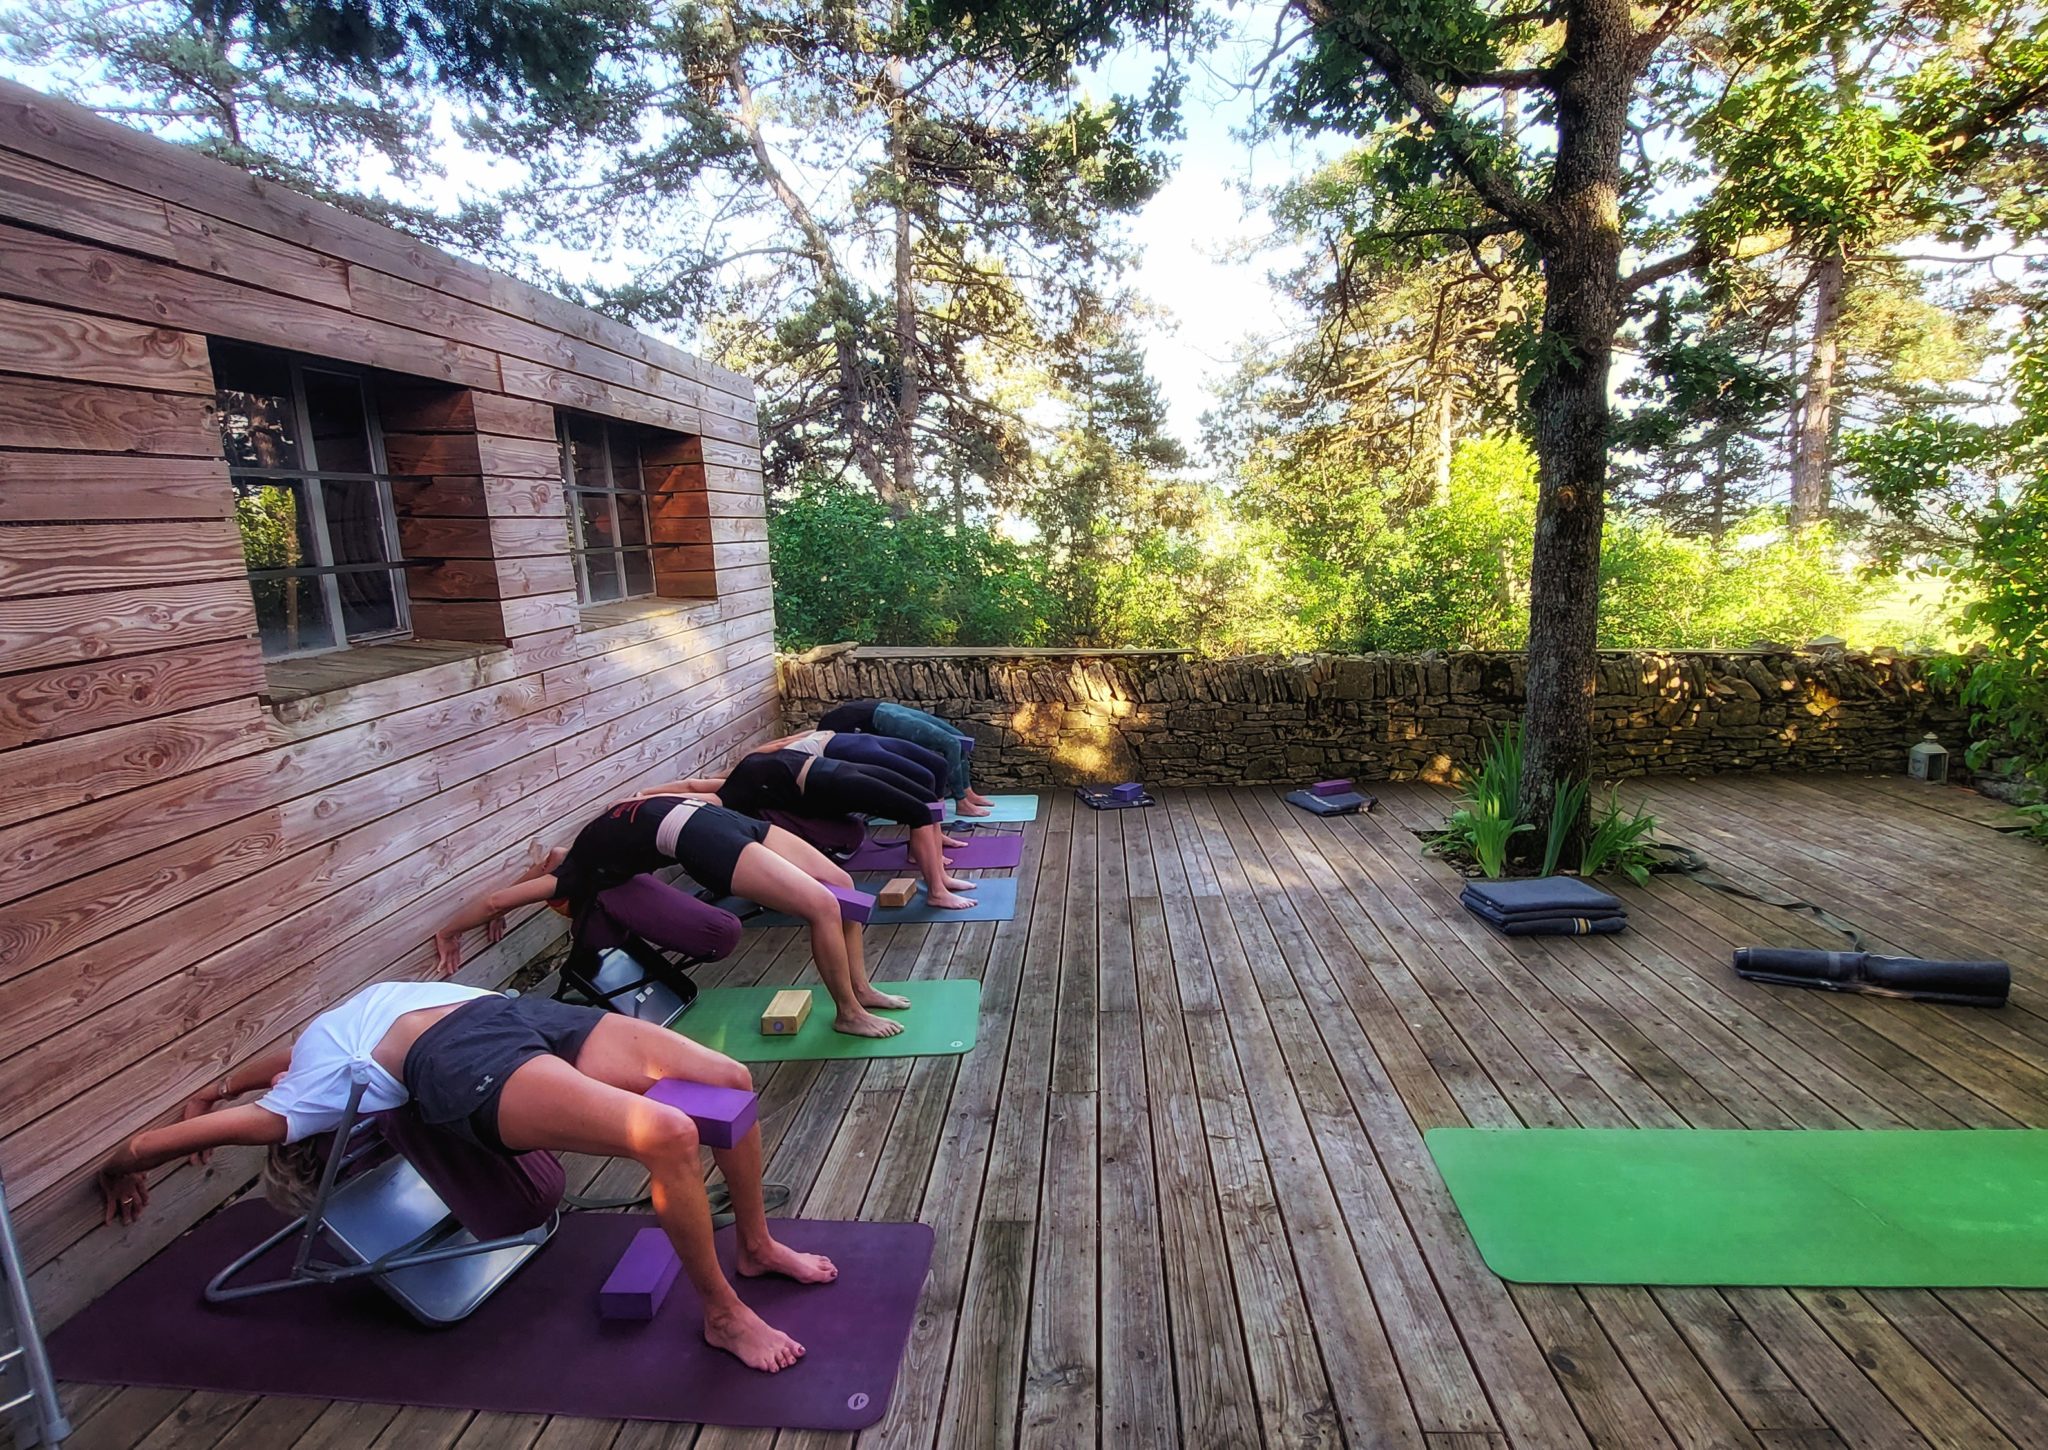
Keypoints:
(1544, 906)
(1557, 925)
(1961, 984)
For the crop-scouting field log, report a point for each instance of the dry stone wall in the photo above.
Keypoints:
(1050, 719)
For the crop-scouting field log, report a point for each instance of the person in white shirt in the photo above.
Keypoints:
(513, 1074)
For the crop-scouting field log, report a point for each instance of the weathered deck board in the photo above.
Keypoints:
(1180, 1191)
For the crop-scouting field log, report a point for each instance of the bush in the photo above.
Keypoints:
(844, 569)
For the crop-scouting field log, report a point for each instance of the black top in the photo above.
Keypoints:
(612, 850)
(763, 781)
(854, 716)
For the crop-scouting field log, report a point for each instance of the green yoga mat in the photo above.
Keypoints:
(939, 1022)
(1827, 1209)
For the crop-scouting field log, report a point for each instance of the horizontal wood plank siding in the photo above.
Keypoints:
(195, 858)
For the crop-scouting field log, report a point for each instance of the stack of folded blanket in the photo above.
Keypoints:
(1545, 906)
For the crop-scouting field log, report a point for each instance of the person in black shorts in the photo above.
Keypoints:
(810, 785)
(515, 1075)
(721, 849)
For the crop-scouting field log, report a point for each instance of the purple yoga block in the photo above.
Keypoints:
(641, 1279)
(1330, 787)
(1130, 790)
(854, 904)
(938, 810)
(722, 1115)
(967, 745)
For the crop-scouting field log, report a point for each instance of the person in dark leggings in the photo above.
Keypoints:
(927, 768)
(900, 722)
(513, 1075)
(721, 849)
(809, 785)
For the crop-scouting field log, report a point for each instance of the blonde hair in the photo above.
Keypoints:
(291, 1173)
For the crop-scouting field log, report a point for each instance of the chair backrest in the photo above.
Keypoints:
(493, 1195)
(835, 835)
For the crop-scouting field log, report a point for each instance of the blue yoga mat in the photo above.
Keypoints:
(1007, 810)
(994, 900)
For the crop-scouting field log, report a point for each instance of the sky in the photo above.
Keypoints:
(1201, 273)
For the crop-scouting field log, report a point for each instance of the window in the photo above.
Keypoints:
(313, 498)
(607, 495)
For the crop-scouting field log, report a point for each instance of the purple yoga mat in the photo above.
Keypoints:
(983, 853)
(537, 1346)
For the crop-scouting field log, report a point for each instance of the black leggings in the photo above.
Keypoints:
(840, 787)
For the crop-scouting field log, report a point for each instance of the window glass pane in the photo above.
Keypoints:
(632, 509)
(601, 568)
(639, 571)
(257, 414)
(277, 528)
(625, 447)
(355, 521)
(291, 615)
(369, 601)
(339, 422)
(586, 454)
(595, 512)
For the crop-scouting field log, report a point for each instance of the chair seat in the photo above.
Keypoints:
(391, 1208)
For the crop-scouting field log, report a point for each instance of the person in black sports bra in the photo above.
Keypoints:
(808, 785)
(720, 848)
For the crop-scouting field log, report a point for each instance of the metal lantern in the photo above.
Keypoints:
(1928, 761)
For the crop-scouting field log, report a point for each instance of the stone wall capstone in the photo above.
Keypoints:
(1072, 717)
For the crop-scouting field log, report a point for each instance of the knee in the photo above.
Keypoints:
(667, 1135)
(833, 874)
(729, 1074)
(819, 906)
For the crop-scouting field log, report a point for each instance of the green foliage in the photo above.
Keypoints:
(1618, 842)
(1488, 817)
(1565, 808)
(845, 569)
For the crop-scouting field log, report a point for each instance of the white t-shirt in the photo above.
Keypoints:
(335, 1052)
(812, 744)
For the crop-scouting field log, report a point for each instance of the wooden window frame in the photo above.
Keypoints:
(308, 478)
(573, 491)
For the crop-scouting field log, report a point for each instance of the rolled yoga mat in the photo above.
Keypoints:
(939, 1022)
(1960, 984)
(1966, 1208)
(995, 899)
(982, 853)
(537, 1346)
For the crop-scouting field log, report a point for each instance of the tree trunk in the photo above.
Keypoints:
(1814, 427)
(1581, 252)
(907, 390)
(832, 284)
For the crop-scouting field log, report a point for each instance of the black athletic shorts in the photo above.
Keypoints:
(457, 1067)
(710, 842)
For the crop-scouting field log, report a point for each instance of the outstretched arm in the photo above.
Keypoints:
(700, 787)
(124, 1181)
(488, 911)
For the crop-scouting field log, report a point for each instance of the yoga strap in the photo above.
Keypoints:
(1685, 861)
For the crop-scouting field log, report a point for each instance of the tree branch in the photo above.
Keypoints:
(1669, 267)
(1495, 188)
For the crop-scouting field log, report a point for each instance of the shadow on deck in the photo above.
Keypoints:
(1180, 1191)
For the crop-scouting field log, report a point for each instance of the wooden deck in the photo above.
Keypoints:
(1180, 1190)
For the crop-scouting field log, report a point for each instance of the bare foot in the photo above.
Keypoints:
(759, 1345)
(865, 1024)
(956, 885)
(976, 798)
(881, 1001)
(948, 900)
(969, 808)
(780, 1259)
(954, 841)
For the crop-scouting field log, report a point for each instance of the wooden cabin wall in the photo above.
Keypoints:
(189, 871)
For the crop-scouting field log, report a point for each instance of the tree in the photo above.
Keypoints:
(1568, 126)
(876, 220)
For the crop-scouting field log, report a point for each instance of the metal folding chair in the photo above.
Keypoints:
(377, 1217)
